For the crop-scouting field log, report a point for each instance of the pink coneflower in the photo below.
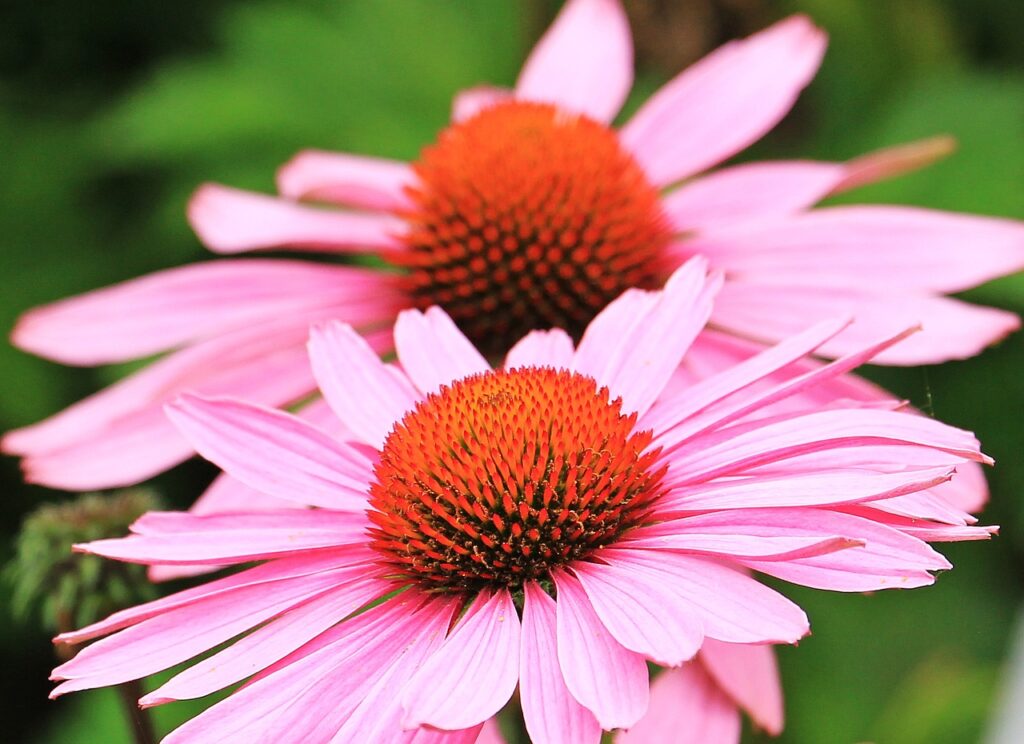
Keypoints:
(530, 211)
(552, 525)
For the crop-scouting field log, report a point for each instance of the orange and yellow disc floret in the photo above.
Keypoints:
(529, 217)
(505, 475)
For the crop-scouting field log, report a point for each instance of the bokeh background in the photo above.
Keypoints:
(111, 113)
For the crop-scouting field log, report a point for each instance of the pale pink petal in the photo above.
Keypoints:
(740, 547)
(885, 248)
(271, 535)
(816, 488)
(603, 675)
(642, 615)
(923, 530)
(749, 674)
(269, 643)
(355, 180)
(895, 161)
(433, 351)
(552, 714)
(470, 102)
(584, 62)
(176, 635)
(309, 697)
(474, 672)
(725, 101)
(743, 447)
(491, 733)
(687, 707)
(952, 329)
(273, 452)
(283, 569)
(230, 220)
(166, 309)
(552, 348)
(635, 354)
(739, 610)
(364, 393)
(751, 191)
(968, 491)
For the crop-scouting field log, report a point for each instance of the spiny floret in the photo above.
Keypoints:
(505, 475)
(528, 217)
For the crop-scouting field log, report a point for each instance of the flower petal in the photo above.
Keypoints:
(474, 672)
(468, 103)
(725, 101)
(584, 62)
(364, 393)
(433, 351)
(355, 180)
(551, 348)
(749, 674)
(552, 714)
(230, 220)
(601, 674)
(273, 452)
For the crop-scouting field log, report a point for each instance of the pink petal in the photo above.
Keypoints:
(284, 569)
(468, 103)
(268, 643)
(491, 733)
(230, 220)
(741, 547)
(886, 248)
(635, 353)
(687, 707)
(814, 488)
(743, 447)
(642, 615)
(176, 635)
(732, 606)
(274, 452)
(749, 674)
(724, 102)
(474, 672)
(551, 348)
(364, 393)
(601, 674)
(144, 316)
(433, 351)
(952, 329)
(551, 713)
(895, 161)
(968, 491)
(341, 178)
(751, 191)
(584, 62)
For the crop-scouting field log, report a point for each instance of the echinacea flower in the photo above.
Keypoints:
(552, 525)
(530, 211)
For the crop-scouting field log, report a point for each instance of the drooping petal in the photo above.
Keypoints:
(552, 348)
(474, 672)
(341, 178)
(725, 101)
(885, 248)
(468, 103)
(725, 612)
(687, 707)
(749, 674)
(552, 714)
(895, 161)
(635, 353)
(230, 220)
(751, 191)
(433, 351)
(273, 452)
(584, 62)
(603, 675)
(367, 395)
(640, 614)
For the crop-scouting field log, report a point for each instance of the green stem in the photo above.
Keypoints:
(139, 720)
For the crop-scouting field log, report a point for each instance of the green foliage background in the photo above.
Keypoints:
(111, 113)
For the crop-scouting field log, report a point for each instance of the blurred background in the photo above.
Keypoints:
(111, 113)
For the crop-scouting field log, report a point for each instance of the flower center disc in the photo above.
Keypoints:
(505, 475)
(528, 217)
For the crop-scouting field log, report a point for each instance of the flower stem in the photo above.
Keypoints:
(139, 720)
